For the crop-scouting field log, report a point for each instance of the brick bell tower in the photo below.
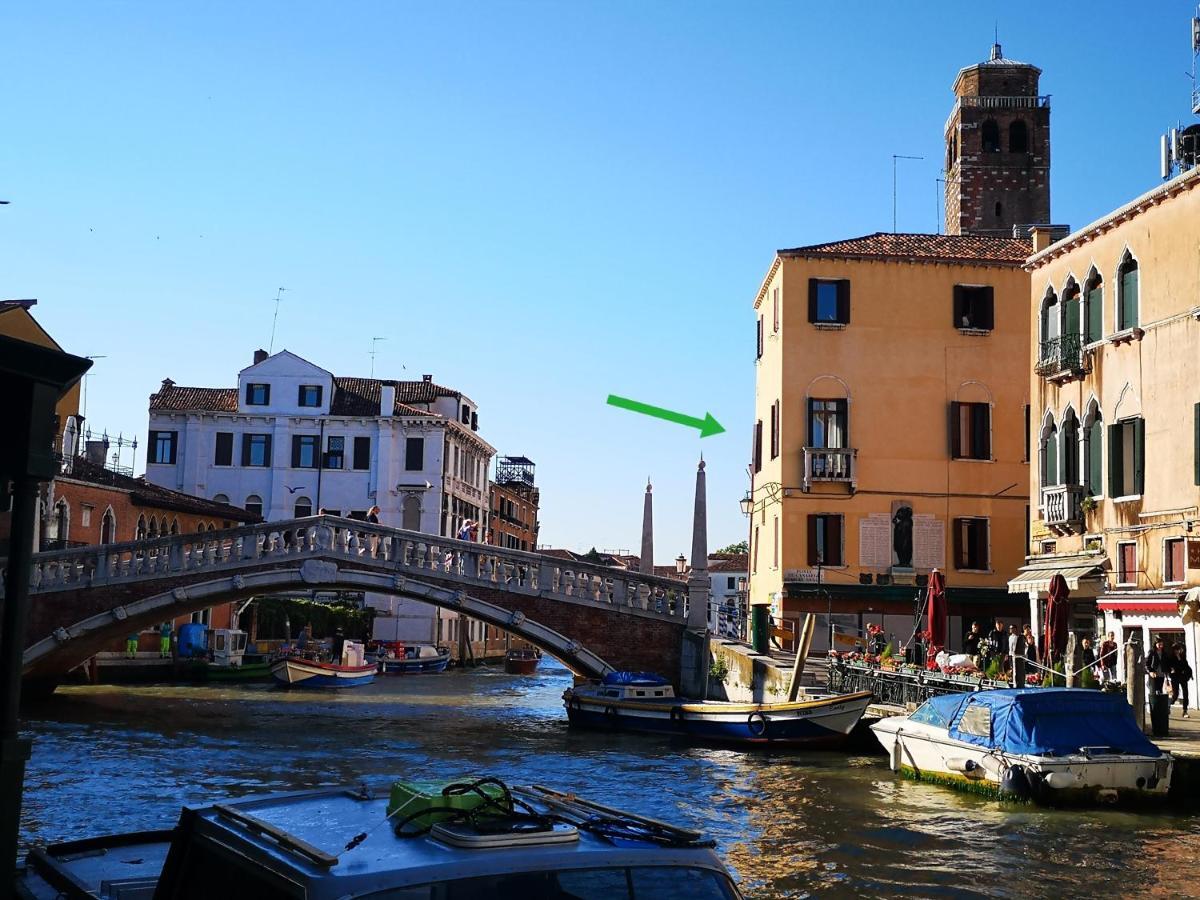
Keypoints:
(997, 149)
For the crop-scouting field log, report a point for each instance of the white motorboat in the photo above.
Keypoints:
(1049, 745)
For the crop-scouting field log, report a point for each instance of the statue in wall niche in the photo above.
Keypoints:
(902, 537)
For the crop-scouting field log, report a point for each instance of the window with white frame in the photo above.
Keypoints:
(1126, 563)
(1174, 561)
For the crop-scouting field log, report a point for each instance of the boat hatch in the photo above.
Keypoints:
(461, 834)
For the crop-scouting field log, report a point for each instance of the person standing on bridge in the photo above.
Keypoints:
(131, 646)
(164, 640)
(373, 515)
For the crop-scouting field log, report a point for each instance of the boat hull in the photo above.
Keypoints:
(820, 722)
(297, 673)
(426, 665)
(922, 752)
(245, 672)
(521, 666)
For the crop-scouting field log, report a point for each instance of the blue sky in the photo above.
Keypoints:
(538, 203)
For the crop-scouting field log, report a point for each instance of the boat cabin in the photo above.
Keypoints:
(226, 646)
(634, 686)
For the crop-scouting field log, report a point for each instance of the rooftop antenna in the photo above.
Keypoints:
(375, 349)
(83, 389)
(896, 156)
(278, 300)
(1179, 148)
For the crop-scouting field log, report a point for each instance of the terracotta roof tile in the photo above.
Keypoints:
(143, 493)
(351, 397)
(730, 562)
(172, 397)
(922, 247)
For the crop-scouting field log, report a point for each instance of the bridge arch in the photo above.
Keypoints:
(71, 645)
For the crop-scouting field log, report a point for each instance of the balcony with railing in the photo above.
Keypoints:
(1019, 102)
(835, 464)
(1061, 357)
(1062, 506)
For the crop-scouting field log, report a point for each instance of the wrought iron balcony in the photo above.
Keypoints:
(1062, 505)
(1061, 356)
(829, 464)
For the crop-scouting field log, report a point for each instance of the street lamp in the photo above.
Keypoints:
(747, 504)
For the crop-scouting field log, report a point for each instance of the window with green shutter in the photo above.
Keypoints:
(1127, 458)
(1095, 311)
(1095, 457)
(1129, 294)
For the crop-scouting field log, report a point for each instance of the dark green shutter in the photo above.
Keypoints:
(1139, 456)
(1095, 314)
(1116, 477)
(1051, 478)
(958, 311)
(760, 338)
(295, 451)
(362, 453)
(843, 301)
(955, 442)
(1096, 457)
(812, 299)
(980, 437)
(1129, 297)
(1071, 314)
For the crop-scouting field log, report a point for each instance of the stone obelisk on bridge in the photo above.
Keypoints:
(694, 658)
(646, 561)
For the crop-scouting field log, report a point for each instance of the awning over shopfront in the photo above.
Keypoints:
(1083, 578)
(1162, 603)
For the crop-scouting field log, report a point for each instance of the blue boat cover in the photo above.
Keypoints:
(1039, 721)
(646, 679)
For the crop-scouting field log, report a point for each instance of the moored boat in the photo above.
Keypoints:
(396, 658)
(640, 701)
(1049, 745)
(475, 838)
(352, 670)
(522, 661)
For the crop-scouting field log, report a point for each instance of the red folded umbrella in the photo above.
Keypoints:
(1058, 614)
(937, 609)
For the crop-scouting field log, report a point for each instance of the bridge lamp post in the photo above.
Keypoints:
(32, 379)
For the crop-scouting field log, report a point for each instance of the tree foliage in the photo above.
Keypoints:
(739, 547)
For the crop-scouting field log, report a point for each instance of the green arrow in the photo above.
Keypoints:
(708, 425)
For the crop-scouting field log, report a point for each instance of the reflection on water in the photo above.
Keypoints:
(792, 825)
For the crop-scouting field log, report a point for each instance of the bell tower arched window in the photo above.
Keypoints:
(1018, 137)
(991, 136)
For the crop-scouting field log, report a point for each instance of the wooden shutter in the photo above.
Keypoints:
(813, 523)
(812, 299)
(1095, 313)
(223, 454)
(985, 307)
(1096, 457)
(843, 414)
(760, 338)
(959, 306)
(843, 301)
(1028, 454)
(955, 441)
(833, 540)
(1129, 297)
(268, 459)
(958, 544)
(1139, 456)
(758, 446)
(774, 430)
(775, 309)
(979, 544)
(245, 449)
(981, 438)
(295, 451)
(1116, 477)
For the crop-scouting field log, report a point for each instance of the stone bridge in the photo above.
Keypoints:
(593, 618)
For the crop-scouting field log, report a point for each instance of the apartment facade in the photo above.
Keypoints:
(514, 500)
(890, 414)
(292, 439)
(1116, 402)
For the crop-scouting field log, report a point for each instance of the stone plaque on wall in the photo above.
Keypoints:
(1193, 556)
(929, 542)
(875, 542)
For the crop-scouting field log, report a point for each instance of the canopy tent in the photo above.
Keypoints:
(1085, 577)
(1039, 721)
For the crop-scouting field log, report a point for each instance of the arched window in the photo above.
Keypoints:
(1093, 451)
(175, 525)
(1069, 449)
(1093, 311)
(152, 528)
(221, 498)
(163, 527)
(1049, 454)
(140, 533)
(1050, 318)
(303, 508)
(991, 136)
(254, 504)
(1127, 291)
(411, 517)
(1070, 308)
(108, 527)
(1018, 137)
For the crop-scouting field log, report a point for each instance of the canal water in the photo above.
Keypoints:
(791, 825)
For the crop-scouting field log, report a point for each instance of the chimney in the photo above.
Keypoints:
(259, 356)
(167, 383)
(427, 378)
(387, 399)
(1042, 237)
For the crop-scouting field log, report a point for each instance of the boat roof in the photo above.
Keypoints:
(1039, 721)
(302, 837)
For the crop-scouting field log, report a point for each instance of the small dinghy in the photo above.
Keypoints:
(398, 658)
(1049, 745)
(640, 701)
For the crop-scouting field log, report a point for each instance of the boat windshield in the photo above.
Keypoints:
(641, 882)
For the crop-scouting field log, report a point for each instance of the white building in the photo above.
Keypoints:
(727, 578)
(292, 439)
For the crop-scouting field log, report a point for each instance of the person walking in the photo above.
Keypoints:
(1157, 663)
(1107, 662)
(164, 640)
(1087, 656)
(373, 515)
(1180, 673)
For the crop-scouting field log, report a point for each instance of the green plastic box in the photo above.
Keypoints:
(409, 797)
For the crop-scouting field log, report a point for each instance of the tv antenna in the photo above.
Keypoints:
(278, 300)
(83, 388)
(896, 156)
(374, 350)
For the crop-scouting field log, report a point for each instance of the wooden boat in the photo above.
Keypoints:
(1050, 745)
(521, 662)
(292, 671)
(396, 658)
(247, 671)
(474, 838)
(639, 701)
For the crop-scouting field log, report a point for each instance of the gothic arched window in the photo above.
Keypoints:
(1018, 137)
(991, 136)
